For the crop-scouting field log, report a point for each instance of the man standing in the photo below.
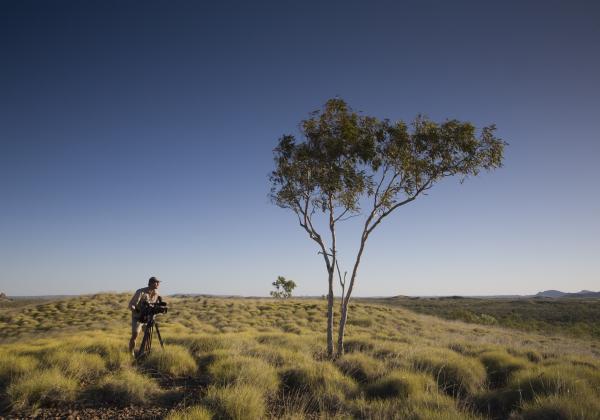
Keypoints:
(145, 294)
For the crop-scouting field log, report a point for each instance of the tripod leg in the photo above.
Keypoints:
(151, 330)
(142, 352)
(159, 337)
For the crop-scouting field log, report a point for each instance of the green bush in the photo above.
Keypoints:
(235, 402)
(173, 360)
(41, 388)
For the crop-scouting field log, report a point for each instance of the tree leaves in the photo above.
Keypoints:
(343, 156)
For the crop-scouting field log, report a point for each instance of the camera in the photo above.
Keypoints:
(149, 310)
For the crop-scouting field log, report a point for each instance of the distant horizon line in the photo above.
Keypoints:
(227, 295)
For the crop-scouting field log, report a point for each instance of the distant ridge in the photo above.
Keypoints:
(559, 294)
(553, 294)
(550, 294)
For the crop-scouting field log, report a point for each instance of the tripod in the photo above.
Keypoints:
(146, 345)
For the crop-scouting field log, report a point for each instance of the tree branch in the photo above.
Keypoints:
(425, 187)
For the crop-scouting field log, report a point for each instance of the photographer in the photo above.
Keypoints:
(144, 295)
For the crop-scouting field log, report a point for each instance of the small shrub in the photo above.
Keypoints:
(45, 387)
(195, 412)
(173, 360)
(236, 402)
(500, 366)
(125, 387)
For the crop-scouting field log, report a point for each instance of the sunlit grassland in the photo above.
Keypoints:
(262, 358)
(575, 317)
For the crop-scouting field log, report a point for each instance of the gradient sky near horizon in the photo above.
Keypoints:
(136, 139)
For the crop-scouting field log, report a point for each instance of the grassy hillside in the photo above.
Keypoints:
(257, 358)
(576, 317)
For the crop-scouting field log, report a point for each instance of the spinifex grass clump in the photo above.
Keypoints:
(549, 380)
(195, 412)
(75, 363)
(125, 387)
(236, 369)
(277, 356)
(456, 375)
(527, 386)
(358, 344)
(361, 367)
(321, 383)
(236, 402)
(561, 407)
(399, 384)
(500, 366)
(44, 388)
(111, 350)
(172, 360)
(14, 366)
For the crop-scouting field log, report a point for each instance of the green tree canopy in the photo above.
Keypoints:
(345, 161)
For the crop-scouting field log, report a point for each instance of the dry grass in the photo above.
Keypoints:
(259, 358)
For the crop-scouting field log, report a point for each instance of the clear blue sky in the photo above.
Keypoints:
(136, 139)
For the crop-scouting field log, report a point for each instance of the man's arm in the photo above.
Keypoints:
(135, 300)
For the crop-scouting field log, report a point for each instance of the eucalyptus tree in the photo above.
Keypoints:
(283, 288)
(347, 164)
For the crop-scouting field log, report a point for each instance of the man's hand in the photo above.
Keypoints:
(132, 307)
